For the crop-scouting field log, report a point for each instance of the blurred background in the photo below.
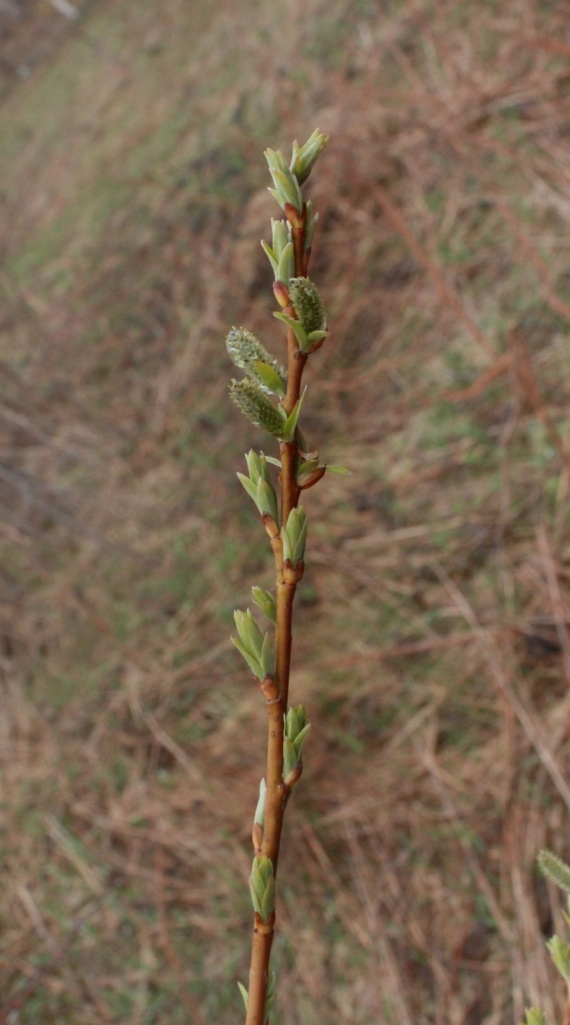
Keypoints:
(431, 646)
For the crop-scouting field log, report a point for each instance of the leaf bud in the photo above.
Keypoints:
(264, 601)
(259, 816)
(295, 720)
(309, 478)
(254, 646)
(266, 499)
(294, 536)
(286, 189)
(262, 887)
(280, 240)
(305, 156)
(281, 293)
(289, 757)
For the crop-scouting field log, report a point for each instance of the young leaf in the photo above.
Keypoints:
(270, 254)
(269, 378)
(267, 658)
(286, 267)
(264, 601)
(244, 994)
(259, 816)
(295, 720)
(305, 157)
(286, 191)
(300, 739)
(249, 486)
(298, 329)
(290, 425)
(251, 660)
(312, 219)
(266, 499)
(290, 759)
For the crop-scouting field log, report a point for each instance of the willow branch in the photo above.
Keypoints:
(286, 524)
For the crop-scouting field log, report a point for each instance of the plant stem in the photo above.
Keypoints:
(260, 953)
(286, 583)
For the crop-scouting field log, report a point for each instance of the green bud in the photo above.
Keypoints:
(295, 720)
(248, 630)
(294, 536)
(279, 237)
(258, 466)
(286, 189)
(308, 305)
(259, 485)
(298, 329)
(259, 816)
(254, 465)
(304, 157)
(275, 160)
(264, 601)
(296, 732)
(255, 647)
(254, 404)
(280, 241)
(266, 500)
(262, 888)
(247, 353)
(554, 869)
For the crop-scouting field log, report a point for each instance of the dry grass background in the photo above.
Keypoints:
(432, 646)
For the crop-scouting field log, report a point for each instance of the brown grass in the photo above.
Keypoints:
(432, 648)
